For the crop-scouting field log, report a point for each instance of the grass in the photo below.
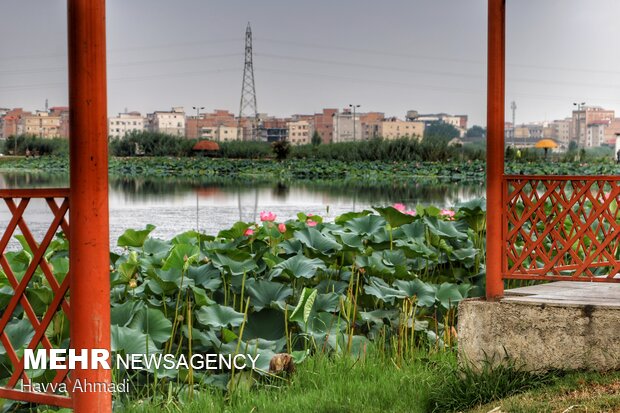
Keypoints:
(325, 384)
(576, 392)
(426, 383)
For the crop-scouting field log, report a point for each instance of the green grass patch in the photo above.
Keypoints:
(324, 384)
(576, 392)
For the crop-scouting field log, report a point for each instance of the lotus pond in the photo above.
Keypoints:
(387, 276)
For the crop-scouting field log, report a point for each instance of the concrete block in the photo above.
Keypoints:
(540, 335)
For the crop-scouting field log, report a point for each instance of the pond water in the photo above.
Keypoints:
(177, 205)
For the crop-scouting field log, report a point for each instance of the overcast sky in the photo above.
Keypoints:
(390, 56)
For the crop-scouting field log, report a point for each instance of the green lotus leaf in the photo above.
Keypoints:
(19, 332)
(329, 302)
(267, 324)
(218, 316)
(380, 289)
(131, 341)
(341, 219)
(369, 225)
(446, 229)
(181, 255)
(238, 263)
(266, 294)
(206, 276)
(135, 238)
(394, 217)
(449, 295)
(153, 323)
(317, 241)
(424, 293)
(122, 314)
(200, 297)
(299, 266)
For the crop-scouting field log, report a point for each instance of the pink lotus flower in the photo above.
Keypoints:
(448, 213)
(310, 215)
(311, 223)
(410, 212)
(248, 232)
(399, 207)
(267, 216)
(282, 227)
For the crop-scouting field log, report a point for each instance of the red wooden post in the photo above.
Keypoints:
(495, 146)
(89, 246)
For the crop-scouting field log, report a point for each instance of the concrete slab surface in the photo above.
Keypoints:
(568, 293)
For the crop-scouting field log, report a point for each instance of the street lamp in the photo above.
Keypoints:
(198, 109)
(579, 108)
(354, 107)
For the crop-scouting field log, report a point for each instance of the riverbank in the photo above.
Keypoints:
(260, 169)
(307, 169)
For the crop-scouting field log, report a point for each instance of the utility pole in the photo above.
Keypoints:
(513, 107)
(198, 109)
(248, 90)
(354, 107)
(580, 107)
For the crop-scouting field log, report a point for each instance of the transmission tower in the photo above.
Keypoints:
(247, 108)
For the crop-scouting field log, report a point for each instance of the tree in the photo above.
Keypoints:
(281, 149)
(440, 133)
(476, 132)
(316, 139)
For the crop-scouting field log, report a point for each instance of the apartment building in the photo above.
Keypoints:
(595, 133)
(171, 122)
(125, 123)
(273, 130)
(299, 132)
(586, 116)
(347, 127)
(324, 124)
(41, 124)
(393, 128)
(458, 121)
(197, 127)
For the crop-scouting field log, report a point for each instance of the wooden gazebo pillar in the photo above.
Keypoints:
(89, 246)
(495, 147)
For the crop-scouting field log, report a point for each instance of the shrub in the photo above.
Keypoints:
(151, 144)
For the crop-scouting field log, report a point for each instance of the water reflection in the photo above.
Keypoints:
(176, 205)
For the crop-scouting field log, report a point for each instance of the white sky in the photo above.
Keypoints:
(390, 56)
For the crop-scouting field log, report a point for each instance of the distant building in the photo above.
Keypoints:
(197, 127)
(63, 112)
(125, 123)
(393, 128)
(595, 133)
(586, 116)
(458, 121)
(299, 132)
(346, 127)
(171, 122)
(559, 130)
(324, 124)
(371, 123)
(9, 122)
(41, 124)
(611, 132)
(273, 130)
(227, 133)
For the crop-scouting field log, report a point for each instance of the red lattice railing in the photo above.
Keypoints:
(19, 311)
(561, 228)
